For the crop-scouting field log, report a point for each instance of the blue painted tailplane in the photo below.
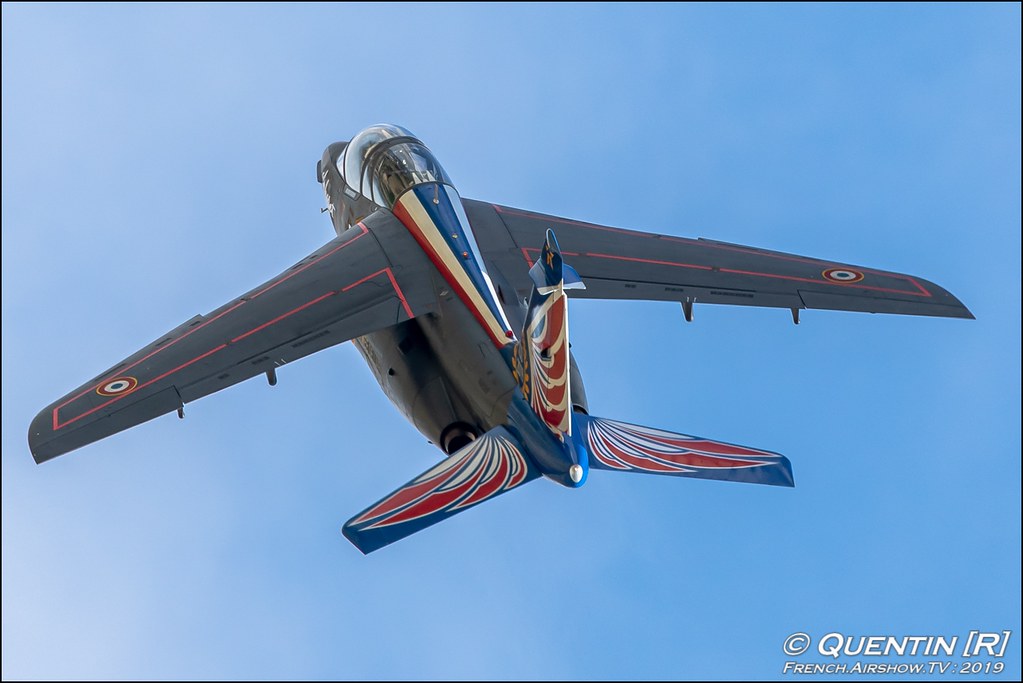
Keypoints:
(623, 447)
(484, 469)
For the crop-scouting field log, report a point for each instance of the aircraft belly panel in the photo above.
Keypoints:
(410, 376)
(438, 370)
(473, 367)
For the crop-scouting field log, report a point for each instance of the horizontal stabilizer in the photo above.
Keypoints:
(550, 270)
(625, 447)
(572, 279)
(484, 469)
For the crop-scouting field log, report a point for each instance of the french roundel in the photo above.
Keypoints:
(116, 387)
(843, 275)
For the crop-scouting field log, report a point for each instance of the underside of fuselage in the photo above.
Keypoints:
(448, 372)
(445, 376)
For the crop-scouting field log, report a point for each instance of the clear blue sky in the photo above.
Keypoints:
(158, 161)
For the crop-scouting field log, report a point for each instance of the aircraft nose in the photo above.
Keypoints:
(575, 473)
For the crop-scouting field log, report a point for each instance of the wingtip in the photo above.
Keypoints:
(949, 305)
(354, 538)
(37, 431)
(789, 478)
(957, 310)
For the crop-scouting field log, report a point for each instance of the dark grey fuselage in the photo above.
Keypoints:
(441, 370)
(444, 376)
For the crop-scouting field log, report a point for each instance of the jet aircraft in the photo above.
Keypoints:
(460, 308)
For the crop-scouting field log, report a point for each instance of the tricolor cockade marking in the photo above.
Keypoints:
(842, 275)
(116, 387)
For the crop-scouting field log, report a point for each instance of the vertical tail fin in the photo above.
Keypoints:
(541, 357)
(550, 271)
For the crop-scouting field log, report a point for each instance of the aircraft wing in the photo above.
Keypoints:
(371, 277)
(626, 264)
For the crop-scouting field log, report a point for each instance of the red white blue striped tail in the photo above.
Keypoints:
(541, 360)
(624, 447)
(486, 468)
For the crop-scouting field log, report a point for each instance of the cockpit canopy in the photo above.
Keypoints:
(384, 161)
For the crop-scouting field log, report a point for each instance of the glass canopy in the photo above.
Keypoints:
(384, 161)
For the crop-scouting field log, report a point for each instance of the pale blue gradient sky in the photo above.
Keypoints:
(158, 161)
